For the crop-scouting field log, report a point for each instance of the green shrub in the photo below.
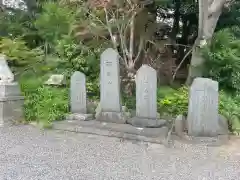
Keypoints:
(173, 102)
(223, 59)
(43, 104)
(18, 53)
(54, 22)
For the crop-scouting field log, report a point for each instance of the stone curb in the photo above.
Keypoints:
(84, 127)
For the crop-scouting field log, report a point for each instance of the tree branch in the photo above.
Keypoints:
(109, 29)
(131, 43)
(216, 6)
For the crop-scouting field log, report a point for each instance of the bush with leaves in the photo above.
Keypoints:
(54, 22)
(173, 102)
(43, 104)
(16, 50)
(223, 59)
(19, 56)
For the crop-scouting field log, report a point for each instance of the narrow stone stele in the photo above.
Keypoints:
(78, 98)
(203, 118)
(110, 109)
(146, 99)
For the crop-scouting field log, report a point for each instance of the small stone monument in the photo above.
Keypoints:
(203, 118)
(56, 80)
(78, 98)
(11, 101)
(146, 99)
(110, 107)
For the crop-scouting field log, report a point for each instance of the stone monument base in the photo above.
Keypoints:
(80, 117)
(146, 122)
(10, 89)
(11, 110)
(113, 117)
(123, 131)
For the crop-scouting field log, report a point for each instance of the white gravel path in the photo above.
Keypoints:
(27, 153)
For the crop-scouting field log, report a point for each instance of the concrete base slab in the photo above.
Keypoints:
(148, 123)
(113, 117)
(207, 141)
(126, 131)
(80, 117)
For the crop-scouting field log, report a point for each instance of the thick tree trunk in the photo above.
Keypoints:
(209, 12)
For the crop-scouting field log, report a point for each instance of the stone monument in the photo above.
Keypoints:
(146, 99)
(78, 98)
(203, 119)
(11, 100)
(56, 79)
(110, 106)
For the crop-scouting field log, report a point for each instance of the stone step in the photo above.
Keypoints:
(125, 131)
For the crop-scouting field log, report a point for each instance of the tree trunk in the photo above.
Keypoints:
(209, 12)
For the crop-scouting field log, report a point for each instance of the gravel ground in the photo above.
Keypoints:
(27, 153)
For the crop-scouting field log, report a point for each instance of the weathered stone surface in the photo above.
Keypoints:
(146, 99)
(78, 97)
(110, 81)
(114, 117)
(146, 93)
(80, 117)
(11, 110)
(91, 106)
(126, 131)
(144, 122)
(110, 109)
(223, 125)
(9, 89)
(203, 108)
(11, 101)
(179, 125)
(98, 110)
(56, 79)
(6, 75)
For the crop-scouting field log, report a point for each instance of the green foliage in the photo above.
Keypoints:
(173, 102)
(229, 106)
(19, 55)
(43, 104)
(54, 22)
(223, 59)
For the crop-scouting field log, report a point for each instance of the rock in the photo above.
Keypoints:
(179, 125)
(91, 106)
(148, 123)
(80, 117)
(223, 125)
(133, 112)
(98, 110)
(124, 109)
(56, 79)
(127, 114)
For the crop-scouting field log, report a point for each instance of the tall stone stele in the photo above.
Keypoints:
(146, 99)
(11, 100)
(110, 109)
(78, 98)
(203, 118)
